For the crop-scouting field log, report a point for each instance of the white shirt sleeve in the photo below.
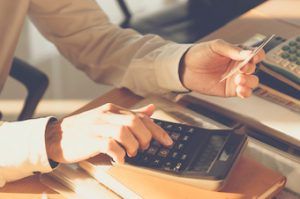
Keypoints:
(22, 149)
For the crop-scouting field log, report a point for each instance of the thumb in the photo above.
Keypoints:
(147, 110)
(226, 49)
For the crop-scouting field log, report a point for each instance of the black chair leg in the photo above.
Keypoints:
(36, 83)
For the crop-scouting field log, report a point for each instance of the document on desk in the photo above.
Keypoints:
(258, 110)
(74, 183)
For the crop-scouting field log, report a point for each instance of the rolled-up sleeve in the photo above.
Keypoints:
(22, 149)
(106, 53)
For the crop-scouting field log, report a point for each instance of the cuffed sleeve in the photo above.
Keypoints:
(23, 149)
(106, 53)
(167, 70)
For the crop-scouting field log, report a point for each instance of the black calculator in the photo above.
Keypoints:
(199, 157)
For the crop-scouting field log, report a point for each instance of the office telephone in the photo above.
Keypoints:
(285, 59)
(199, 157)
(279, 72)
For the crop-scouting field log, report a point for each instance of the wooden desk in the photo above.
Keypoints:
(237, 31)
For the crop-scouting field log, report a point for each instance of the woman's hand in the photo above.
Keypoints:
(204, 64)
(109, 129)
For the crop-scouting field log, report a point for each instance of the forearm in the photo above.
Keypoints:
(107, 53)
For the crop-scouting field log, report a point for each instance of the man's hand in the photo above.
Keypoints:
(108, 129)
(204, 64)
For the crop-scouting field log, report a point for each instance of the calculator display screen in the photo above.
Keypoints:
(209, 153)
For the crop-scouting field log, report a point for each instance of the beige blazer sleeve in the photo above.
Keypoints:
(106, 53)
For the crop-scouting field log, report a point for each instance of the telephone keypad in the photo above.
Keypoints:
(287, 58)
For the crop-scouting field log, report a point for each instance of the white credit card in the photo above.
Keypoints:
(241, 64)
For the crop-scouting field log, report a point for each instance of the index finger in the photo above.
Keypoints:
(157, 132)
(258, 57)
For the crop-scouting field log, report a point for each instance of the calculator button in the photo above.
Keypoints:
(278, 52)
(175, 136)
(167, 166)
(163, 152)
(183, 157)
(145, 159)
(156, 162)
(285, 48)
(292, 43)
(186, 138)
(292, 50)
(178, 128)
(178, 166)
(180, 146)
(285, 55)
(291, 66)
(293, 58)
(276, 58)
(152, 150)
(191, 130)
(175, 154)
(284, 63)
(169, 126)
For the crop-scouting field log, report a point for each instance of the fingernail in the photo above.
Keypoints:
(168, 140)
(146, 147)
(245, 53)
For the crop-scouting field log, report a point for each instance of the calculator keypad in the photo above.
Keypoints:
(177, 157)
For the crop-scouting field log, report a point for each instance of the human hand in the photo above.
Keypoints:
(108, 129)
(204, 64)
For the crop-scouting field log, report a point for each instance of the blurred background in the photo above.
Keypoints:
(178, 20)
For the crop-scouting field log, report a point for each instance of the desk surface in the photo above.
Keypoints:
(254, 21)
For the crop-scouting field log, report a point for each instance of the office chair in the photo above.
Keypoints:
(36, 83)
(187, 22)
(173, 23)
